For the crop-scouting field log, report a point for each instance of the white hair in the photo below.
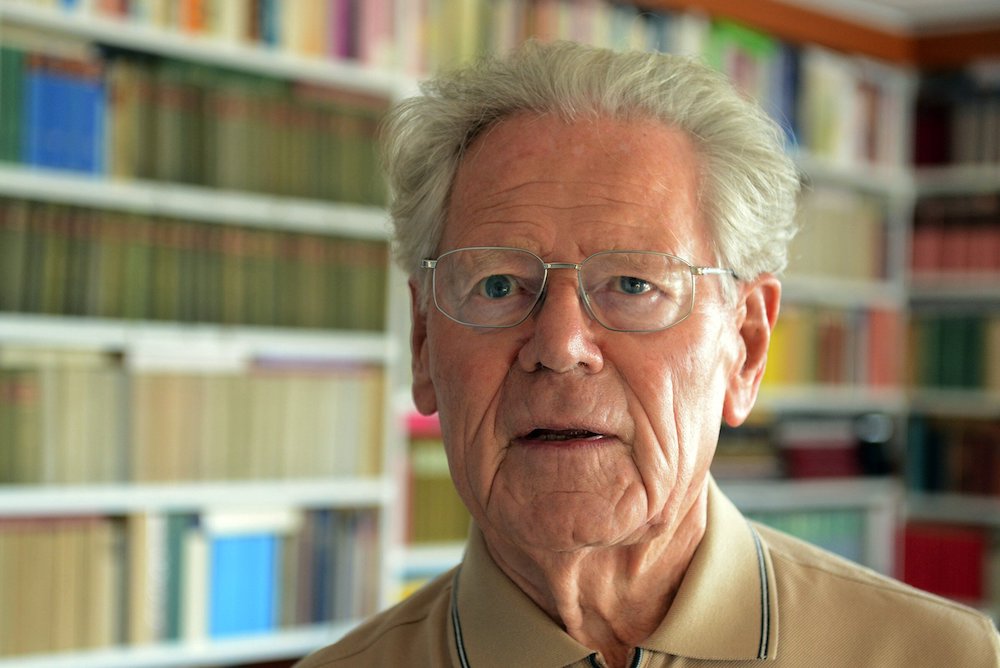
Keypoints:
(749, 182)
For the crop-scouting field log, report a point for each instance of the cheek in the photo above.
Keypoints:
(469, 374)
(679, 397)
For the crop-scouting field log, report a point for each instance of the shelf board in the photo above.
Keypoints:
(425, 559)
(125, 335)
(971, 179)
(945, 402)
(872, 178)
(813, 494)
(233, 651)
(955, 289)
(842, 292)
(194, 202)
(958, 508)
(832, 399)
(125, 498)
(257, 59)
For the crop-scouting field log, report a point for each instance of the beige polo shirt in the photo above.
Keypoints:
(750, 595)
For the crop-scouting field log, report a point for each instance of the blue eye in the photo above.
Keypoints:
(633, 286)
(497, 286)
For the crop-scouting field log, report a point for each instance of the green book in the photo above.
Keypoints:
(14, 237)
(744, 55)
(11, 102)
(134, 260)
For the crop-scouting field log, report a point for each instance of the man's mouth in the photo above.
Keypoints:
(557, 435)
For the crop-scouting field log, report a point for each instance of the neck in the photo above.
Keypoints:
(608, 598)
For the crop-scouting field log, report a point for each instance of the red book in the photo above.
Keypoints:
(946, 560)
(885, 339)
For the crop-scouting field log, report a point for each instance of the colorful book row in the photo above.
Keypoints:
(819, 345)
(92, 420)
(79, 583)
(955, 350)
(957, 235)
(806, 447)
(73, 261)
(139, 117)
(953, 455)
(846, 109)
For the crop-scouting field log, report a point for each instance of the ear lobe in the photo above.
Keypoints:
(424, 397)
(760, 303)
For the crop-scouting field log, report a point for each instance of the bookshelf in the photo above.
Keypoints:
(302, 508)
(953, 448)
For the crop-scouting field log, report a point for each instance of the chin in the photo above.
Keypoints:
(567, 526)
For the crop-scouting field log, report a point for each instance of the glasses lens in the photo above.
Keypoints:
(637, 291)
(487, 287)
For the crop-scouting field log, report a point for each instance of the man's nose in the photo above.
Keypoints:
(563, 336)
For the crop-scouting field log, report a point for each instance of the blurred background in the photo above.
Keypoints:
(208, 453)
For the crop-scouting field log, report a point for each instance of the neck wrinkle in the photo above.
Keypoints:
(608, 598)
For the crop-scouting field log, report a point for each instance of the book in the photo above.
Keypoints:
(956, 455)
(244, 567)
(948, 560)
(81, 261)
(819, 447)
(47, 562)
(956, 235)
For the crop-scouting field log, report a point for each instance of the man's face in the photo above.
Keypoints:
(560, 433)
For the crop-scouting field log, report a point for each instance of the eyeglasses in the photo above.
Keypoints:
(625, 291)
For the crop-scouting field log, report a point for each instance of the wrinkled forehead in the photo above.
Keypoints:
(633, 182)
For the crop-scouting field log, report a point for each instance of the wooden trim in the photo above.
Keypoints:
(956, 49)
(801, 25)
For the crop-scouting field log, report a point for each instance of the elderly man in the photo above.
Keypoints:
(592, 241)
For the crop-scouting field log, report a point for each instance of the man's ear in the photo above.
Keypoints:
(758, 311)
(423, 389)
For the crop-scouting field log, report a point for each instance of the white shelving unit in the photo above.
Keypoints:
(955, 292)
(207, 341)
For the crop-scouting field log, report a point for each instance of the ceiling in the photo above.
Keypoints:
(911, 16)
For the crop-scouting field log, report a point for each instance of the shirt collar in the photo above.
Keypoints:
(724, 609)
(501, 625)
(726, 606)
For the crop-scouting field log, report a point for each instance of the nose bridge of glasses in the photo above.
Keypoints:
(579, 288)
(575, 266)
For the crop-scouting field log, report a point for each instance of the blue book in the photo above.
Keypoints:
(243, 583)
(83, 124)
(35, 85)
(270, 22)
(783, 101)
